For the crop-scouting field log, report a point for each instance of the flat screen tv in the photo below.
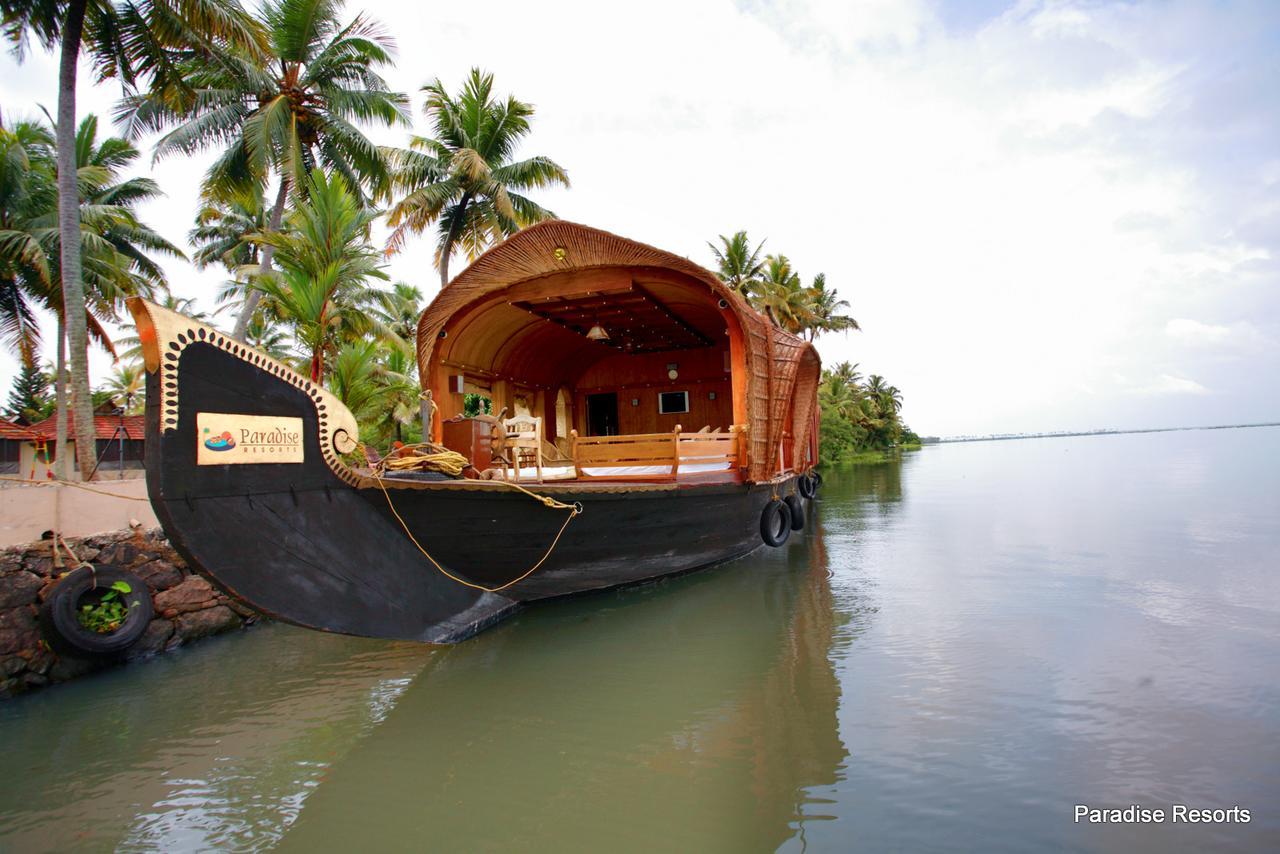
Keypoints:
(673, 402)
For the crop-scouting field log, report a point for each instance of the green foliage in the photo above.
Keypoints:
(224, 227)
(31, 399)
(322, 289)
(858, 416)
(774, 288)
(109, 612)
(476, 404)
(276, 107)
(116, 246)
(279, 104)
(375, 381)
(125, 386)
(737, 263)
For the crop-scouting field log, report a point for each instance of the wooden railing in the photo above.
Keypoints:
(669, 451)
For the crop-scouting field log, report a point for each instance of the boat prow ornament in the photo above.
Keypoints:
(258, 477)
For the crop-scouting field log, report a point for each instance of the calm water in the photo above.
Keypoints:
(960, 648)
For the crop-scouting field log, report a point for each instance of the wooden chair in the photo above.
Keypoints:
(524, 438)
(553, 454)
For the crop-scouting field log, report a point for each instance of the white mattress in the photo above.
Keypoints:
(568, 473)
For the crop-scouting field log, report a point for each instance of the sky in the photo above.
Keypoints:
(1045, 215)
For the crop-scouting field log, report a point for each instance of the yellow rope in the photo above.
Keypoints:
(34, 482)
(438, 459)
(574, 510)
(545, 499)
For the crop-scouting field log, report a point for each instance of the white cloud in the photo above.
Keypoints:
(1195, 332)
(1167, 384)
(1240, 337)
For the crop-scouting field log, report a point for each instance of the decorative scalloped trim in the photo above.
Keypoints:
(195, 333)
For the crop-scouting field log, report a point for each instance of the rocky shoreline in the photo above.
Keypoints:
(187, 606)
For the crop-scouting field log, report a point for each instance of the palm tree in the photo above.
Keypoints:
(840, 389)
(399, 309)
(322, 288)
(463, 178)
(847, 372)
(892, 399)
(826, 309)
(130, 41)
(279, 110)
(779, 294)
(265, 335)
(400, 406)
(109, 205)
(113, 242)
(130, 346)
(353, 378)
(26, 190)
(223, 226)
(377, 385)
(126, 386)
(737, 264)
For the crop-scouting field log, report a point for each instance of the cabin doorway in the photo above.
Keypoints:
(602, 414)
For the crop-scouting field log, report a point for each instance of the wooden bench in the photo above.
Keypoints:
(669, 451)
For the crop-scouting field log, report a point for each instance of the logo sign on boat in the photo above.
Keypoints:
(228, 439)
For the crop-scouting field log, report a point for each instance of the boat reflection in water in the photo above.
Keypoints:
(697, 716)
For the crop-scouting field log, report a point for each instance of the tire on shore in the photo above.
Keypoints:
(60, 623)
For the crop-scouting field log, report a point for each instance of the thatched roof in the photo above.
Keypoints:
(774, 357)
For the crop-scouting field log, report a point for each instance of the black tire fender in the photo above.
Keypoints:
(775, 523)
(61, 627)
(806, 486)
(797, 512)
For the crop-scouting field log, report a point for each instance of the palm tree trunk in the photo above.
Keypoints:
(253, 296)
(69, 235)
(60, 402)
(454, 231)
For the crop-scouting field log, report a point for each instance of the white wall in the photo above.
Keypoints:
(28, 511)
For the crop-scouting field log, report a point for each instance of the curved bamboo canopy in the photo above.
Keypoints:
(775, 373)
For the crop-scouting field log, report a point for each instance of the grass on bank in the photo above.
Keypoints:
(875, 456)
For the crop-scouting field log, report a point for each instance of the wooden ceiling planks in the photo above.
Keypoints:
(635, 320)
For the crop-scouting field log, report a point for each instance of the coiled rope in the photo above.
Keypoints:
(436, 458)
(440, 457)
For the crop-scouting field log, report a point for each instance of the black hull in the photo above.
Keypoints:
(316, 544)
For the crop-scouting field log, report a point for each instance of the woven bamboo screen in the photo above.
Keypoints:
(773, 356)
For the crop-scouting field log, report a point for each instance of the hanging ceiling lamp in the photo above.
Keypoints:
(597, 333)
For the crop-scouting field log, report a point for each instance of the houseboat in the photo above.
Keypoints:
(643, 421)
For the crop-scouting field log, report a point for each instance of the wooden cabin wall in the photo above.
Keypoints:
(643, 377)
(621, 369)
(645, 418)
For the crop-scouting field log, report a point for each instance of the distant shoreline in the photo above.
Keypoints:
(1002, 437)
